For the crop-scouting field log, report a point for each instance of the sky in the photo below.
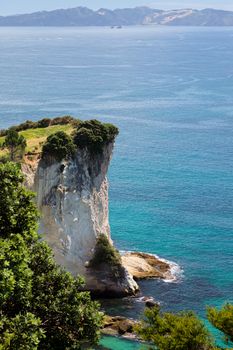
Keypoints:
(8, 7)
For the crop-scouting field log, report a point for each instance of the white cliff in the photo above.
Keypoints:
(72, 197)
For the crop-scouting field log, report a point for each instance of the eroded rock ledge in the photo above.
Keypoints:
(145, 266)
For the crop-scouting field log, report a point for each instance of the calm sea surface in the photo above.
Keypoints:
(170, 91)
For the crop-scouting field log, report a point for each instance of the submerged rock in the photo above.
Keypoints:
(151, 303)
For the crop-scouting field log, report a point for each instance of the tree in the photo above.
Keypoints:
(15, 143)
(41, 306)
(167, 331)
(223, 320)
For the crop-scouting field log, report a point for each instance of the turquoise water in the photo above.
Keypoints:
(170, 90)
(121, 344)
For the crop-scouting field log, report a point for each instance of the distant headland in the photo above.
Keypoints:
(83, 16)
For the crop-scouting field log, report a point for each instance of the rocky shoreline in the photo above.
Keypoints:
(141, 266)
(119, 326)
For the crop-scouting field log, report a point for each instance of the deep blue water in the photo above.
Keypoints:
(170, 91)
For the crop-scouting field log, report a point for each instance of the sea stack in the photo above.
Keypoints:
(72, 197)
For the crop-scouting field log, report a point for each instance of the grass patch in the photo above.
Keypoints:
(36, 137)
(90, 134)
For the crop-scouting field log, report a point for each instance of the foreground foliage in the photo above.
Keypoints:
(183, 331)
(40, 305)
(223, 320)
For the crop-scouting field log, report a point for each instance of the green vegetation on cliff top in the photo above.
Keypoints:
(59, 146)
(91, 134)
(94, 134)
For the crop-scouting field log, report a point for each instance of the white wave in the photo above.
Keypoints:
(144, 299)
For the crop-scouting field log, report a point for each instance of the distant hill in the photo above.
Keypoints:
(189, 17)
(82, 16)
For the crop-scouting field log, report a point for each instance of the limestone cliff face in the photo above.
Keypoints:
(72, 197)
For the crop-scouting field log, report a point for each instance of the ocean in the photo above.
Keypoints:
(170, 91)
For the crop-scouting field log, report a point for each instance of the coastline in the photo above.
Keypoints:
(122, 326)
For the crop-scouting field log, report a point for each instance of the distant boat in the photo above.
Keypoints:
(116, 27)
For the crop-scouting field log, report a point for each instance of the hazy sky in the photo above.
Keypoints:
(22, 6)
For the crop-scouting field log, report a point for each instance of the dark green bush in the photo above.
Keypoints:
(93, 135)
(3, 132)
(67, 119)
(25, 126)
(59, 146)
(44, 123)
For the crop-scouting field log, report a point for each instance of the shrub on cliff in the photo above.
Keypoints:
(105, 253)
(64, 120)
(93, 135)
(59, 146)
(40, 305)
(26, 125)
(44, 123)
(167, 331)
